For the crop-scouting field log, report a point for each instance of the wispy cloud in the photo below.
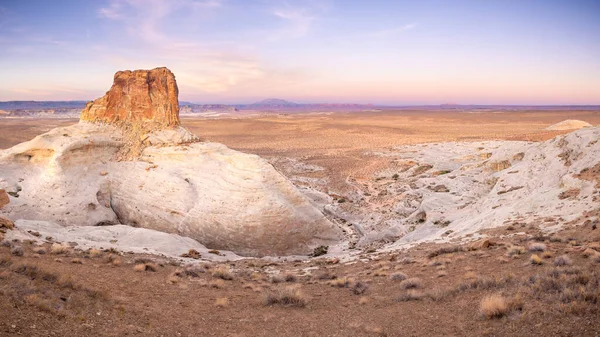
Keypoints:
(298, 18)
(390, 32)
(199, 66)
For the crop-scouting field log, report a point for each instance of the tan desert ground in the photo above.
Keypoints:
(515, 279)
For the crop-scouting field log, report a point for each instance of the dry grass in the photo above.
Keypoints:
(218, 283)
(287, 296)
(411, 283)
(399, 276)
(223, 273)
(77, 261)
(562, 260)
(222, 302)
(410, 295)
(17, 251)
(94, 253)
(58, 248)
(344, 282)
(148, 266)
(537, 247)
(445, 250)
(536, 260)
(39, 250)
(547, 254)
(494, 306)
(515, 250)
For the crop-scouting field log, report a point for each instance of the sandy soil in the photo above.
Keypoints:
(86, 293)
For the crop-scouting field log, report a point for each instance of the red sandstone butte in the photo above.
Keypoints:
(139, 96)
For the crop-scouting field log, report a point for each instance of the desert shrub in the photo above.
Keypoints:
(537, 247)
(223, 273)
(326, 276)
(193, 271)
(277, 279)
(290, 278)
(287, 296)
(39, 250)
(411, 283)
(399, 276)
(359, 288)
(562, 260)
(192, 254)
(445, 250)
(516, 250)
(17, 251)
(494, 306)
(410, 295)
(320, 250)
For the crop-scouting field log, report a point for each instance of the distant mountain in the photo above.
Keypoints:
(30, 105)
(275, 103)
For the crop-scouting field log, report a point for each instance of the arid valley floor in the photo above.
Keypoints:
(519, 281)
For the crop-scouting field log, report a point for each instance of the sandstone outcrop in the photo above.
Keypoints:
(4, 200)
(569, 124)
(128, 161)
(148, 97)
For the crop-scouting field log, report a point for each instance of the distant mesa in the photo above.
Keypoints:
(569, 124)
(275, 102)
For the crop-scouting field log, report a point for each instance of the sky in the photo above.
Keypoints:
(308, 51)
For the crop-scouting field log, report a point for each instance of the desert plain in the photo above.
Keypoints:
(514, 279)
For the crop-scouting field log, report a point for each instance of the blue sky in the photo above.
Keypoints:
(234, 51)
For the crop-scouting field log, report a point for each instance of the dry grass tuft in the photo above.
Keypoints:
(547, 254)
(494, 306)
(535, 259)
(290, 278)
(223, 273)
(344, 282)
(363, 300)
(94, 253)
(562, 260)
(222, 302)
(58, 248)
(411, 283)
(17, 251)
(148, 266)
(276, 279)
(399, 276)
(359, 288)
(77, 261)
(445, 250)
(287, 296)
(39, 250)
(515, 250)
(537, 247)
(218, 283)
(410, 295)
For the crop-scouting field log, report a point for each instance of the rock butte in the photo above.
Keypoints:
(140, 96)
(128, 161)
